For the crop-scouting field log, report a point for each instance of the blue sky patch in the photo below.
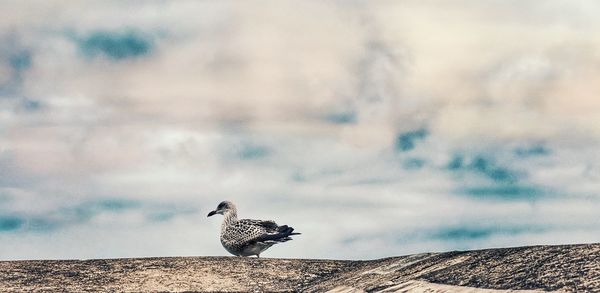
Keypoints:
(456, 163)
(503, 183)
(40, 224)
(114, 204)
(163, 216)
(530, 151)
(504, 192)
(82, 213)
(299, 176)
(31, 105)
(477, 233)
(20, 60)
(86, 210)
(407, 141)
(167, 213)
(17, 60)
(413, 163)
(10, 174)
(489, 168)
(116, 45)
(348, 117)
(252, 152)
(462, 233)
(10, 223)
(483, 165)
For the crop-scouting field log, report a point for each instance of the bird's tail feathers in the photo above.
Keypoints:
(287, 230)
(283, 234)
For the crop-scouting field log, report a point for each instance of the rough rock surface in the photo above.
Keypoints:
(565, 268)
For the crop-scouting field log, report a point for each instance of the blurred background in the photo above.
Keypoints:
(374, 128)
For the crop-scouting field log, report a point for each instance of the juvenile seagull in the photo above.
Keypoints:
(248, 237)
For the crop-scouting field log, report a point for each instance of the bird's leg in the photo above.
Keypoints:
(257, 256)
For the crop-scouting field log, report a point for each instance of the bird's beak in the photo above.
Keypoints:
(212, 213)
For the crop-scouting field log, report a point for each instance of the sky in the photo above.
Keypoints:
(374, 128)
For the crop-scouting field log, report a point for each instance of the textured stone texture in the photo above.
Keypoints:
(570, 268)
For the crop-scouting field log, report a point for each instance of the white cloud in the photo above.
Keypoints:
(235, 101)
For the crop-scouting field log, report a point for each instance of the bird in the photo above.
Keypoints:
(248, 237)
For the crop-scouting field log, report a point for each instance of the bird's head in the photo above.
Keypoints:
(223, 208)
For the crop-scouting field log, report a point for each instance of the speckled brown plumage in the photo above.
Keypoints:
(248, 237)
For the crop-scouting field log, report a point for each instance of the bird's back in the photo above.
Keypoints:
(245, 235)
(246, 230)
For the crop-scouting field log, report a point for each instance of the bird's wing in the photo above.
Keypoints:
(268, 226)
(250, 231)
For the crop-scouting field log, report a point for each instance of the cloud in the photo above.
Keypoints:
(418, 120)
